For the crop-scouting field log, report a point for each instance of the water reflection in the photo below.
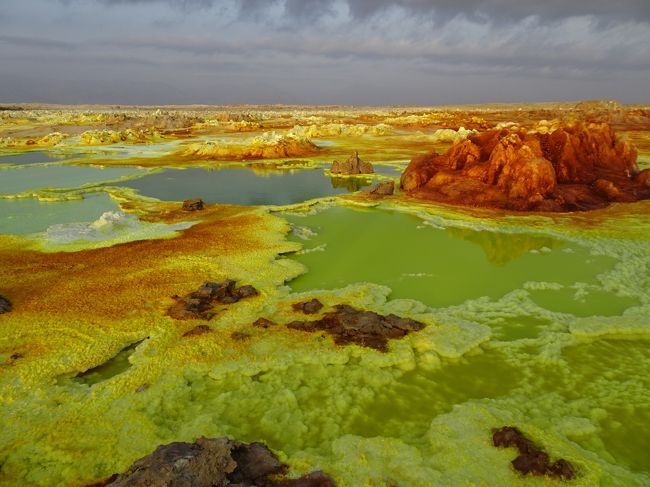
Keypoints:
(35, 157)
(501, 248)
(351, 184)
(438, 267)
(240, 186)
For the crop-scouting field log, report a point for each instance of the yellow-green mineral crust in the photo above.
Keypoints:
(94, 373)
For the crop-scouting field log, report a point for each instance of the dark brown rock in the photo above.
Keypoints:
(239, 335)
(194, 204)
(198, 330)
(5, 305)
(575, 167)
(213, 463)
(532, 459)
(308, 307)
(507, 436)
(562, 469)
(365, 328)
(199, 304)
(246, 292)
(263, 323)
(383, 188)
(535, 462)
(353, 165)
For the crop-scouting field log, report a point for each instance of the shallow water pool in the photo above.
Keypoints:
(29, 215)
(444, 267)
(35, 157)
(241, 186)
(20, 179)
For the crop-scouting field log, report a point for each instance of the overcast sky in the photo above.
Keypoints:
(361, 52)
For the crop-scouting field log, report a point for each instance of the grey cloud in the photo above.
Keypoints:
(36, 42)
(494, 10)
(324, 51)
(183, 4)
(509, 9)
(522, 52)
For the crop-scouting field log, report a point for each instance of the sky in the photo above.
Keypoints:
(354, 52)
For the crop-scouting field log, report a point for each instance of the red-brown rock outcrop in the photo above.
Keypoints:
(575, 167)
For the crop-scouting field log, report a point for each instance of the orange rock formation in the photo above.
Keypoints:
(575, 167)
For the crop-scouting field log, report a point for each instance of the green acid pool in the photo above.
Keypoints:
(243, 186)
(22, 216)
(448, 266)
(16, 180)
(36, 157)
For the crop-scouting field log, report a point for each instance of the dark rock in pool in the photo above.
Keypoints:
(216, 462)
(194, 204)
(532, 459)
(365, 328)
(308, 307)
(383, 188)
(353, 165)
(199, 304)
(5, 305)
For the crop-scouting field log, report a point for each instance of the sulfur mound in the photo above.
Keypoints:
(49, 140)
(574, 167)
(5, 305)
(269, 145)
(531, 459)
(216, 462)
(199, 304)
(365, 328)
(107, 137)
(353, 165)
(339, 130)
